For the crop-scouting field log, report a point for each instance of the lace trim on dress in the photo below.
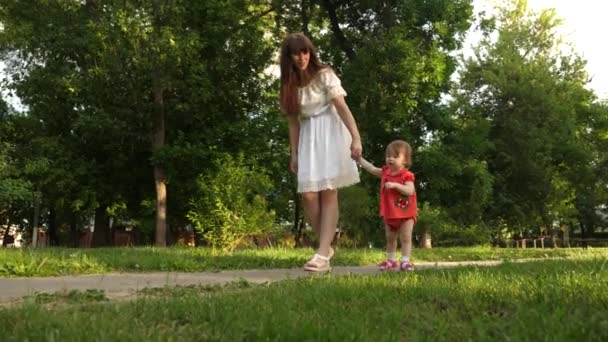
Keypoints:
(328, 184)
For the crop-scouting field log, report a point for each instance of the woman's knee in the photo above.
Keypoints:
(329, 196)
(310, 197)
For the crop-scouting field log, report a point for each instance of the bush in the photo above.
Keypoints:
(232, 204)
(453, 235)
(446, 232)
(359, 219)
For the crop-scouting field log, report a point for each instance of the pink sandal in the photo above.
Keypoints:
(318, 263)
(389, 265)
(406, 266)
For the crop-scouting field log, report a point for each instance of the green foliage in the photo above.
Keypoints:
(16, 190)
(85, 72)
(519, 143)
(523, 94)
(453, 235)
(25, 263)
(446, 231)
(89, 296)
(232, 203)
(359, 218)
(13, 187)
(429, 217)
(585, 166)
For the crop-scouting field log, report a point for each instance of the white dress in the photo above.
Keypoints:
(324, 160)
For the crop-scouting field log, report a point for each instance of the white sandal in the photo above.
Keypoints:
(318, 263)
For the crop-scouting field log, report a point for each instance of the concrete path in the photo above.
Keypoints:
(122, 285)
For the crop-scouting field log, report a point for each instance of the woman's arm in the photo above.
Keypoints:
(351, 125)
(369, 167)
(294, 135)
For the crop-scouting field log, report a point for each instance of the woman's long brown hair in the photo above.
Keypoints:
(291, 76)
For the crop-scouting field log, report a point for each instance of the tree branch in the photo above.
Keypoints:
(344, 43)
(304, 8)
(254, 18)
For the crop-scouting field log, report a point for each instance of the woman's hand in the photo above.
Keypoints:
(356, 149)
(293, 163)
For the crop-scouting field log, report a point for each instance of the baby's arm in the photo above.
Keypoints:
(367, 166)
(406, 189)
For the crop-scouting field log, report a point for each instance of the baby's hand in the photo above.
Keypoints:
(391, 185)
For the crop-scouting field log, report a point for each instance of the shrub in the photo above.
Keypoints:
(446, 232)
(359, 219)
(454, 235)
(232, 204)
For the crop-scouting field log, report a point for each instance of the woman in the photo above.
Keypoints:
(322, 130)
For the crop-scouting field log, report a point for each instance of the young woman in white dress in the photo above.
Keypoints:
(323, 136)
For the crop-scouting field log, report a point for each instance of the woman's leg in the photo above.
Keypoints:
(328, 220)
(312, 211)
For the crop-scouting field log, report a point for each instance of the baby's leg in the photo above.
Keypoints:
(391, 248)
(391, 241)
(405, 235)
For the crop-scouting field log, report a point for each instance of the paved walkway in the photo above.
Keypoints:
(122, 285)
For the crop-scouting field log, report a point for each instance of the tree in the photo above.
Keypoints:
(125, 88)
(524, 93)
(586, 165)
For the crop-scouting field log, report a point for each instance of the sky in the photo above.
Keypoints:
(585, 26)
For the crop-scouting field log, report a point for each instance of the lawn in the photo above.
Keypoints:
(550, 300)
(64, 261)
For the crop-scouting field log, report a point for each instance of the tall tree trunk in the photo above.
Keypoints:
(36, 222)
(53, 238)
(159, 171)
(198, 238)
(101, 231)
(6, 231)
(583, 234)
(74, 231)
(158, 142)
(425, 238)
(554, 237)
(566, 236)
(161, 206)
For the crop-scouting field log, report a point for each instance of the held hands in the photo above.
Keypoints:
(369, 167)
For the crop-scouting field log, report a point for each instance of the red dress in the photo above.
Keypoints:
(393, 204)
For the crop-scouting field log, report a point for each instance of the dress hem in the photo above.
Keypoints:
(327, 184)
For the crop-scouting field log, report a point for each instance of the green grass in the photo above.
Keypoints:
(64, 261)
(551, 300)
(69, 297)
